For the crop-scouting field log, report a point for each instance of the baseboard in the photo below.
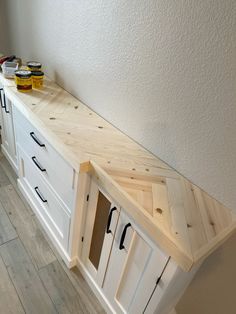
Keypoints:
(70, 262)
(95, 288)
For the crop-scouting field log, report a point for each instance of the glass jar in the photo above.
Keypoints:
(37, 79)
(23, 80)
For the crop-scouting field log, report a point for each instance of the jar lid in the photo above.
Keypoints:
(37, 73)
(34, 64)
(23, 73)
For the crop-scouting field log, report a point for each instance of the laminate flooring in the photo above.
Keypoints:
(33, 277)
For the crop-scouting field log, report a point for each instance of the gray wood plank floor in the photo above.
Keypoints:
(33, 277)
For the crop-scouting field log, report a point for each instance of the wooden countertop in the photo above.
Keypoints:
(183, 220)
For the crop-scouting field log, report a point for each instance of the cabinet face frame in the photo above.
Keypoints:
(98, 274)
(8, 132)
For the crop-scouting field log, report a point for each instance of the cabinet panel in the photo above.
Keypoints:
(117, 261)
(135, 264)
(149, 281)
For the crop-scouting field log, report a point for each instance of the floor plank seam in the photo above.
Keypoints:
(13, 284)
(8, 241)
(47, 291)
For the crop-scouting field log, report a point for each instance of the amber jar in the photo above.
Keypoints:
(23, 80)
(37, 79)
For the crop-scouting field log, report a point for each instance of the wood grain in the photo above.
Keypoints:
(9, 300)
(3, 178)
(25, 279)
(7, 231)
(182, 219)
(61, 290)
(26, 227)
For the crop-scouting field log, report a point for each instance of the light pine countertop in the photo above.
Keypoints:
(182, 219)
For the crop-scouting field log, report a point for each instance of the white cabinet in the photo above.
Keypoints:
(8, 133)
(123, 262)
(48, 182)
(57, 173)
(48, 208)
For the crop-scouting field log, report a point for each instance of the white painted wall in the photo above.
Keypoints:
(4, 42)
(212, 290)
(164, 72)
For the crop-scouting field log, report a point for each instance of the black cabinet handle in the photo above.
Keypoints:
(109, 219)
(5, 104)
(122, 239)
(36, 139)
(2, 100)
(37, 164)
(39, 195)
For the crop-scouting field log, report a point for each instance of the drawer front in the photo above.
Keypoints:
(55, 170)
(48, 205)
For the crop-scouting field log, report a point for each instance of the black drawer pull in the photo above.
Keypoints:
(122, 239)
(37, 164)
(1, 99)
(5, 106)
(39, 195)
(36, 140)
(109, 219)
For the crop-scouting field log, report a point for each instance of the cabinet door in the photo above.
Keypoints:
(8, 134)
(101, 222)
(135, 265)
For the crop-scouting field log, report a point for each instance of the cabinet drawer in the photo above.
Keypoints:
(55, 170)
(48, 205)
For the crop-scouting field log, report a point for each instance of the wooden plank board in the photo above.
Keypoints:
(7, 231)
(9, 300)
(25, 279)
(7, 169)
(160, 210)
(178, 222)
(61, 290)
(28, 231)
(12, 178)
(3, 178)
(193, 216)
(85, 135)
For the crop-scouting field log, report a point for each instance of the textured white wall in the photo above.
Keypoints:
(164, 72)
(4, 42)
